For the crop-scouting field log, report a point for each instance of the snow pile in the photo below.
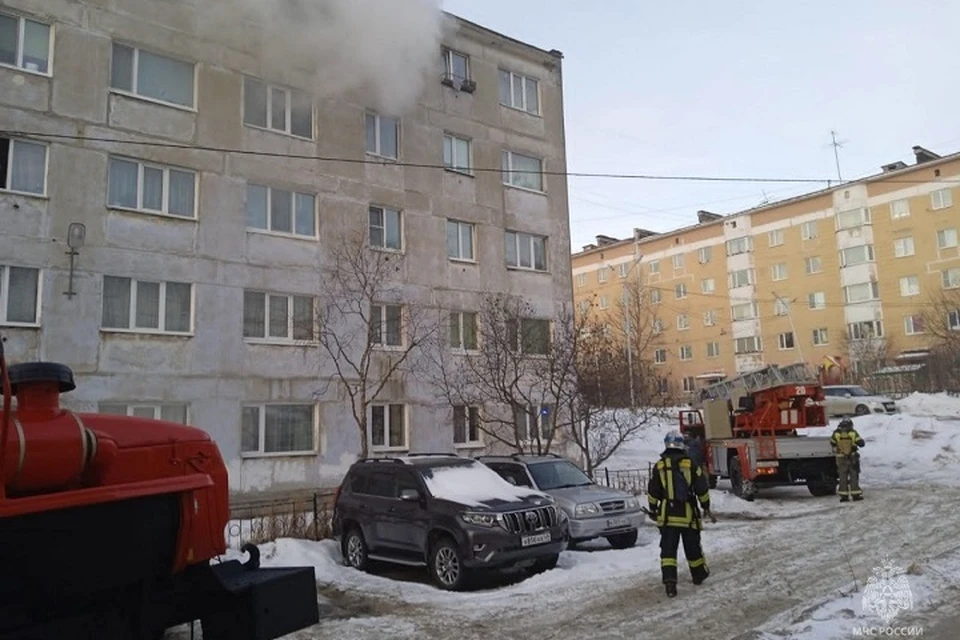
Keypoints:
(473, 484)
(939, 405)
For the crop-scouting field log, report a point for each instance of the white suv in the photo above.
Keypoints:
(851, 400)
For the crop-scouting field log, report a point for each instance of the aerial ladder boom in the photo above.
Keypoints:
(765, 378)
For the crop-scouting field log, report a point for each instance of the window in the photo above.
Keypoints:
(281, 211)
(678, 261)
(602, 274)
(683, 322)
(817, 300)
(680, 291)
(950, 278)
(525, 172)
(460, 245)
(519, 92)
(623, 269)
(909, 286)
(654, 266)
(386, 325)
(941, 199)
(456, 65)
(903, 247)
(656, 296)
(604, 302)
(278, 109)
(386, 228)
(781, 307)
(713, 349)
(709, 318)
(277, 317)
(533, 422)
(853, 218)
(466, 425)
(151, 75)
(152, 188)
(786, 341)
(457, 153)
(145, 306)
(953, 320)
(947, 238)
(750, 344)
(856, 255)
(24, 44)
(705, 255)
(865, 330)
(463, 330)
(689, 384)
(383, 135)
(779, 271)
(821, 337)
(741, 278)
(775, 237)
(150, 410)
(19, 296)
(23, 166)
(745, 311)
(808, 230)
(526, 251)
(861, 292)
(582, 280)
(708, 285)
(660, 356)
(533, 337)
(278, 428)
(813, 265)
(584, 306)
(657, 326)
(913, 325)
(685, 352)
(900, 209)
(740, 245)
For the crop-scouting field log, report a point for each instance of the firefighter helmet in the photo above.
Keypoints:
(674, 440)
(846, 424)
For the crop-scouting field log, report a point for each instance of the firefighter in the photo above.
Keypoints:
(676, 492)
(846, 443)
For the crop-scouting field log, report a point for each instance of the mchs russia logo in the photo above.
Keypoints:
(888, 592)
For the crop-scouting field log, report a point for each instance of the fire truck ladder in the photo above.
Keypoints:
(765, 378)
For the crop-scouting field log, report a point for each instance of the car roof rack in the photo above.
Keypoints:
(393, 460)
(431, 455)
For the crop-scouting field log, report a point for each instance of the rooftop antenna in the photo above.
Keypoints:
(836, 144)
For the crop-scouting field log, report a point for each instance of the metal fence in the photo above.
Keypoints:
(630, 480)
(304, 516)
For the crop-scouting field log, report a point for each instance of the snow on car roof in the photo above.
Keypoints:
(472, 484)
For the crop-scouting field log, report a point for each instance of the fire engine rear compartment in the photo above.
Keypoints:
(799, 459)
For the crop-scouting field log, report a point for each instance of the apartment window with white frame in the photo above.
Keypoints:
(781, 307)
(821, 337)
(660, 356)
(775, 238)
(678, 261)
(947, 238)
(903, 247)
(862, 292)
(383, 135)
(584, 306)
(654, 266)
(744, 311)
(685, 352)
(266, 106)
(386, 325)
(683, 322)
(741, 278)
(909, 286)
(466, 425)
(19, 296)
(736, 246)
(603, 274)
(277, 317)
(705, 254)
(853, 218)
(457, 153)
(604, 302)
(950, 278)
(900, 209)
(168, 412)
(152, 188)
(281, 211)
(853, 256)
(953, 320)
(623, 269)
(460, 242)
(656, 296)
(865, 330)
(533, 422)
(750, 344)
(786, 341)
(713, 349)
(530, 335)
(525, 172)
(657, 326)
(913, 325)
(278, 429)
(519, 92)
(778, 271)
(680, 291)
(689, 384)
(817, 300)
(813, 265)
(941, 199)
(144, 306)
(526, 251)
(464, 331)
(456, 65)
(23, 166)
(708, 285)
(386, 228)
(808, 230)
(25, 44)
(582, 280)
(152, 75)
(710, 318)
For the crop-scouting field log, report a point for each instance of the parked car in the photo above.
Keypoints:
(448, 513)
(594, 511)
(851, 400)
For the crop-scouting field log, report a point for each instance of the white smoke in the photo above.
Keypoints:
(378, 51)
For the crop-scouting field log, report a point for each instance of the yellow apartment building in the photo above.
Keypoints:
(842, 276)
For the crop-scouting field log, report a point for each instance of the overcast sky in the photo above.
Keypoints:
(735, 88)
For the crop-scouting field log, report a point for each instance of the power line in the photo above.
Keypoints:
(418, 165)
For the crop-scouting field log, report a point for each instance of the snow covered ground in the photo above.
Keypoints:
(785, 566)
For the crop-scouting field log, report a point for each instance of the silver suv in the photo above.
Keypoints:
(594, 511)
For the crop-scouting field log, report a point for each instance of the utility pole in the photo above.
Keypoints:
(628, 329)
(836, 144)
(796, 336)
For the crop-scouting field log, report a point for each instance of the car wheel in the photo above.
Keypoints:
(446, 567)
(355, 550)
(623, 540)
(861, 410)
(546, 563)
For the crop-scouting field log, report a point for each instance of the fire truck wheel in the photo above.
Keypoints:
(819, 489)
(740, 488)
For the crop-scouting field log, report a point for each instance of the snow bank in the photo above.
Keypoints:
(939, 405)
(472, 484)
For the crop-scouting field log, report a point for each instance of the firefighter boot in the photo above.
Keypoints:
(671, 589)
(700, 574)
(858, 497)
(844, 498)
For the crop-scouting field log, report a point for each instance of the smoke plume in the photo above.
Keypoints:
(378, 51)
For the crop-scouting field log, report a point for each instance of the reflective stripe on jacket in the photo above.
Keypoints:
(661, 491)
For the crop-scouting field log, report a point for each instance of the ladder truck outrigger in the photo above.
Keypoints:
(750, 431)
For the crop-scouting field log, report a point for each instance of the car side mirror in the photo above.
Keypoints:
(410, 495)
(511, 480)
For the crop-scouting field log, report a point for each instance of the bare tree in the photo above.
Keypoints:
(868, 354)
(941, 317)
(368, 330)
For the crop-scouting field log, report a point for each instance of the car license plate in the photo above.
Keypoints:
(540, 538)
(612, 523)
